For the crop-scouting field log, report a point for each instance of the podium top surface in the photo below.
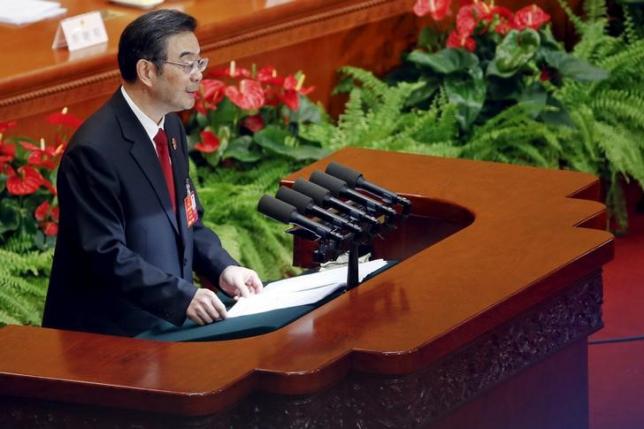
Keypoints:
(534, 232)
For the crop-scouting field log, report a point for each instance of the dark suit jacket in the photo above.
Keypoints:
(123, 260)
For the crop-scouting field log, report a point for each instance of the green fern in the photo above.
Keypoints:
(230, 199)
(23, 285)
(608, 139)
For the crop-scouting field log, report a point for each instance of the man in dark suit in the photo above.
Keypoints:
(130, 229)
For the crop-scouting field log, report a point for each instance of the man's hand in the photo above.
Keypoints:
(205, 307)
(240, 282)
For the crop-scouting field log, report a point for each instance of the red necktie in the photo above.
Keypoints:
(161, 143)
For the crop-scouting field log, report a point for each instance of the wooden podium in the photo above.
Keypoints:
(483, 324)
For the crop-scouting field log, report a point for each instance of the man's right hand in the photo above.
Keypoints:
(205, 307)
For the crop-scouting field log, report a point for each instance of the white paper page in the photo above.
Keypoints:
(323, 278)
(27, 11)
(301, 290)
(273, 301)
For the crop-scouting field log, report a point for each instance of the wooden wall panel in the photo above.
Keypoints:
(315, 36)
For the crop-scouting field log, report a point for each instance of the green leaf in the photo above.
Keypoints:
(516, 49)
(273, 139)
(572, 67)
(225, 114)
(468, 93)
(446, 61)
(308, 112)
(422, 94)
(241, 150)
(10, 214)
(533, 100)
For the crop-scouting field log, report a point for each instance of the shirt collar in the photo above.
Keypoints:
(151, 127)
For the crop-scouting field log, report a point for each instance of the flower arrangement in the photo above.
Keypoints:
(27, 182)
(495, 58)
(243, 115)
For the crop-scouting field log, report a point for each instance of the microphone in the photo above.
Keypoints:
(305, 205)
(355, 179)
(323, 197)
(339, 187)
(286, 213)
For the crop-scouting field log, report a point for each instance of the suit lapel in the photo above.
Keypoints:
(144, 154)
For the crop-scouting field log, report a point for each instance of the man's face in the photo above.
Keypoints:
(173, 88)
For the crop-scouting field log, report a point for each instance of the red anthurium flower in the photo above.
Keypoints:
(530, 17)
(438, 9)
(269, 75)
(43, 156)
(249, 95)
(457, 40)
(231, 71)
(50, 229)
(209, 142)
(64, 118)
(505, 19)
(210, 94)
(42, 211)
(25, 181)
(47, 217)
(254, 123)
(7, 152)
(291, 99)
(467, 19)
(544, 75)
(292, 87)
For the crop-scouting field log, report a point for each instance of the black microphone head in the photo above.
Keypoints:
(344, 173)
(318, 193)
(278, 210)
(331, 183)
(300, 201)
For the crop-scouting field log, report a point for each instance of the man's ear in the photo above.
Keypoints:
(146, 71)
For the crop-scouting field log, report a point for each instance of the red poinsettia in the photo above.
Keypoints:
(209, 142)
(65, 119)
(530, 17)
(47, 217)
(438, 9)
(249, 95)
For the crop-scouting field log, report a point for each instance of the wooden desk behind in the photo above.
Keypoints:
(315, 36)
(499, 310)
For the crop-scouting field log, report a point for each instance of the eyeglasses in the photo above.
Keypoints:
(191, 67)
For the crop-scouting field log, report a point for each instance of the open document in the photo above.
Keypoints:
(300, 290)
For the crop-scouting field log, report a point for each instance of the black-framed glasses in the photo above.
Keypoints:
(191, 67)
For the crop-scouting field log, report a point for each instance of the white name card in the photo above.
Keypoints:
(80, 31)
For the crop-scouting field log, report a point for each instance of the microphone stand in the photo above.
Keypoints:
(353, 278)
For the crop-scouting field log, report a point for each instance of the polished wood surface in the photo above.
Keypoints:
(531, 236)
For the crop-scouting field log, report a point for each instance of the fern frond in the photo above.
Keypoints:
(595, 10)
(580, 25)
(623, 104)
